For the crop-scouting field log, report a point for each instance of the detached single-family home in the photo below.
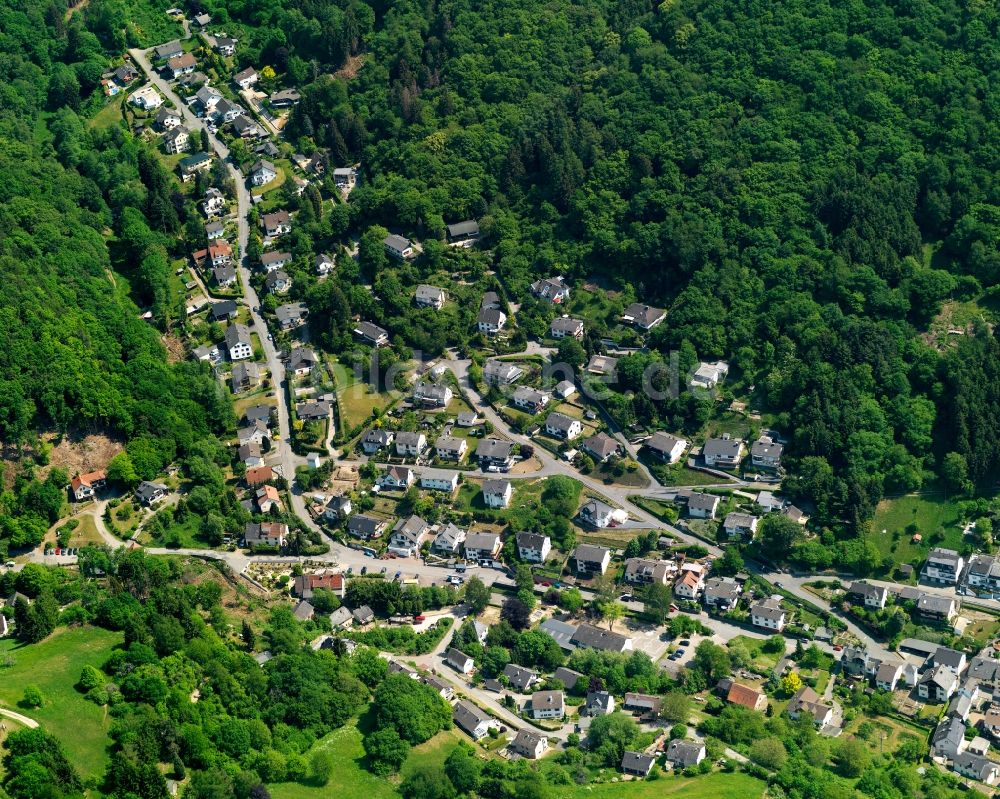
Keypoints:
(374, 440)
(278, 282)
(181, 65)
(637, 764)
(262, 172)
(169, 50)
(324, 264)
(765, 453)
(937, 684)
(590, 559)
(222, 311)
(603, 365)
(888, 675)
(950, 659)
(432, 395)
(689, 585)
(597, 514)
(747, 697)
(430, 297)
(471, 720)
(685, 754)
(146, 98)
(245, 377)
(276, 224)
(499, 373)
(338, 507)
(722, 453)
(448, 540)
(408, 535)
(709, 375)
(313, 410)
(937, 608)
(167, 119)
(530, 399)
(768, 614)
(721, 593)
(547, 705)
(565, 326)
(533, 547)
(495, 454)
(208, 97)
(601, 447)
(460, 661)
(451, 448)
(666, 447)
(984, 572)
(948, 738)
(645, 317)
(444, 690)
(976, 767)
(598, 703)
(460, 232)
(86, 486)
(643, 704)
(285, 98)
(702, 506)
(224, 276)
(555, 289)
(366, 527)
(482, 546)
(398, 246)
(272, 534)
(238, 342)
(225, 46)
(372, 333)
(497, 493)
(491, 321)
(397, 477)
(559, 425)
(291, 315)
(257, 476)
(273, 260)
(246, 78)
(363, 615)
(873, 596)
(807, 701)
(740, 525)
(530, 745)
(439, 479)
(410, 444)
(943, 566)
(520, 678)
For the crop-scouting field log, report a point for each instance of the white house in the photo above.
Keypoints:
(547, 705)
(689, 585)
(238, 342)
(246, 78)
(397, 477)
(146, 98)
(666, 447)
(768, 614)
(497, 493)
(460, 661)
(262, 172)
(943, 566)
(740, 525)
(398, 246)
(482, 546)
(533, 547)
(565, 326)
(411, 444)
(560, 425)
(451, 448)
(491, 321)
(709, 375)
(723, 453)
(530, 745)
(591, 559)
(765, 453)
(439, 479)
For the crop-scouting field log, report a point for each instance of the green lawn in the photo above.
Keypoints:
(929, 514)
(358, 401)
(711, 786)
(110, 115)
(54, 665)
(435, 751)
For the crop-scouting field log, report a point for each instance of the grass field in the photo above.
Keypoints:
(108, 116)
(929, 514)
(358, 401)
(710, 786)
(54, 665)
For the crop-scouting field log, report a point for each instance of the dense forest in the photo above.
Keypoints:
(802, 186)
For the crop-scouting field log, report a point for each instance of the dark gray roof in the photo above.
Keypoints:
(596, 638)
(467, 716)
(467, 228)
(519, 676)
(637, 762)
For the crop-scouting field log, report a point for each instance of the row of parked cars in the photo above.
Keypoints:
(61, 551)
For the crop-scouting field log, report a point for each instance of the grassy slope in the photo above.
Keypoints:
(711, 786)
(54, 665)
(928, 513)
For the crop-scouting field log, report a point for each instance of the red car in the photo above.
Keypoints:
(421, 617)
(837, 647)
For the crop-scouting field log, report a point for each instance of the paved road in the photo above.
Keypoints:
(19, 718)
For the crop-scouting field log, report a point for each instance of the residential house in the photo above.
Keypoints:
(366, 527)
(324, 264)
(146, 98)
(637, 764)
(769, 503)
(689, 585)
(267, 497)
(645, 317)
(466, 231)
(494, 454)
(262, 172)
(278, 282)
(960, 706)
(643, 704)
(149, 493)
(189, 166)
(345, 177)
(527, 744)
(937, 684)
(398, 246)
(858, 662)
(285, 98)
(271, 534)
(338, 507)
(948, 738)
(721, 593)
(258, 476)
(491, 321)
(873, 596)
(603, 365)
(363, 615)
(591, 559)
(807, 701)
(410, 444)
(702, 506)
(598, 703)
(598, 514)
(301, 361)
(740, 525)
(888, 675)
(238, 342)
(305, 585)
(246, 78)
(492, 300)
(165, 52)
(182, 64)
(555, 289)
(223, 310)
(86, 486)
(601, 447)
(226, 112)
(408, 535)
(745, 696)
(569, 678)
(565, 389)
(723, 453)
(291, 315)
(176, 140)
(530, 399)
(937, 608)
(983, 572)
(277, 223)
(564, 326)
(432, 395)
(668, 448)
(167, 119)
(769, 614)
(520, 678)
(224, 276)
(125, 74)
(499, 373)
(207, 352)
(533, 547)
(765, 453)
(444, 690)
(375, 440)
(397, 477)
(245, 377)
(202, 20)
(949, 659)
(439, 480)
(708, 375)
(460, 661)
(559, 425)
(644, 571)
(685, 754)
(372, 333)
(451, 448)
(208, 97)
(471, 720)
(313, 411)
(448, 540)
(497, 493)
(251, 454)
(429, 297)
(943, 566)
(225, 46)
(482, 546)
(467, 419)
(561, 632)
(261, 413)
(976, 767)
(547, 705)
